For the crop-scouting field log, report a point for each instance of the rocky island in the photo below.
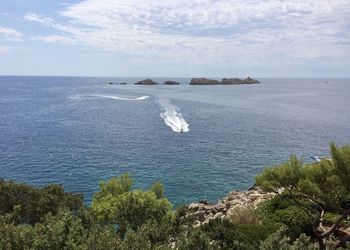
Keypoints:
(146, 82)
(171, 82)
(203, 81)
(198, 81)
(225, 81)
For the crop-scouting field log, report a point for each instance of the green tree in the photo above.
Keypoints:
(116, 203)
(283, 211)
(65, 230)
(315, 188)
(279, 241)
(158, 190)
(34, 202)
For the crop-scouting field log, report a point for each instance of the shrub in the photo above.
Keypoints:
(243, 215)
(33, 202)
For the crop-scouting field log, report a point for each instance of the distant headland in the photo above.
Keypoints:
(198, 81)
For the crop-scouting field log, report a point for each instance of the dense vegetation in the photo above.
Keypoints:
(310, 211)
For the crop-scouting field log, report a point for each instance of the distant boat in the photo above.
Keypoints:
(316, 158)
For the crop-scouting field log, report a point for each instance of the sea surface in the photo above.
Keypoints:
(200, 141)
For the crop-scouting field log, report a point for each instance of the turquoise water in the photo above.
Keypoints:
(78, 131)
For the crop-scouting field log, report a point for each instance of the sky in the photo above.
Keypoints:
(177, 38)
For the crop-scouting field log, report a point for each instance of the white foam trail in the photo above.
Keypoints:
(172, 117)
(112, 97)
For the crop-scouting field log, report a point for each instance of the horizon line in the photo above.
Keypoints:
(188, 77)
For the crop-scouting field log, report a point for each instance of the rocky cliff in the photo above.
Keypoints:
(203, 211)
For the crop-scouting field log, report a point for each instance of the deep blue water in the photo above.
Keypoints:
(78, 131)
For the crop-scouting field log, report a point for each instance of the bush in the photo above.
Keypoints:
(123, 218)
(280, 241)
(252, 234)
(116, 203)
(34, 203)
(243, 215)
(314, 189)
(281, 210)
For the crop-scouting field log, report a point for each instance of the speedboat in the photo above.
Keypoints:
(316, 158)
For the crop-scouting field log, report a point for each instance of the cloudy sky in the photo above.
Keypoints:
(265, 38)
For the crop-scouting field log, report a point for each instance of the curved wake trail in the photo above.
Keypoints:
(112, 97)
(172, 117)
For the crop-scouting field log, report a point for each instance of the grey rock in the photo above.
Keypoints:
(203, 81)
(200, 215)
(193, 206)
(231, 81)
(201, 208)
(219, 215)
(204, 202)
(146, 82)
(249, 80)
(171, 83)
(220, 207)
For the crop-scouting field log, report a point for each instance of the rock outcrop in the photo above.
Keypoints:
(236, 81)
(225, 81)
(203, 81)
(203, 211)
(171, 83)
(232, 81)
(198, 81)
(146, 82)
(249, 80)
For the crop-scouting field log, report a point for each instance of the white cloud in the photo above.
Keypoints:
(55, 39)
(207, 30)
(9, 34)
(50, 23)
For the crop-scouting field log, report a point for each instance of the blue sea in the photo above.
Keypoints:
(200, 141)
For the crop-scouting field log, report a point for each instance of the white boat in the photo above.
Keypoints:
(316, 158)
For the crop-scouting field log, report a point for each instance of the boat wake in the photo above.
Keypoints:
(172, 117)
(111, 97)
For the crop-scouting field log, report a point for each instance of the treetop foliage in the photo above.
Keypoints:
(316, 188)
(33, 203)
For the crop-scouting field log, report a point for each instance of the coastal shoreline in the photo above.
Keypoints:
(204, 211)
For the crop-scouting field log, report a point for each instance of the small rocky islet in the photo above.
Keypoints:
(224, 81)
(146, 82)
(197, 81)
(171, 82)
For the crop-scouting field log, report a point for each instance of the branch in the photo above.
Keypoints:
(336, 225)
(301, 205)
